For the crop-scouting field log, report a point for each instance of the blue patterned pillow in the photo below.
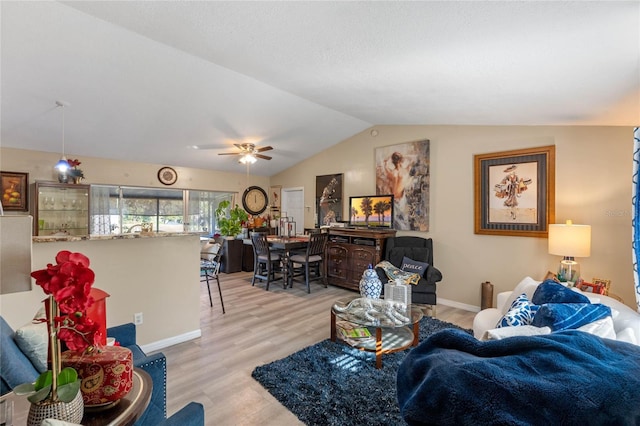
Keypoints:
(521, 312)
(565, 316)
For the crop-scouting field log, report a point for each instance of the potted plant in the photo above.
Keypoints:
(229, 222)
(67, 284)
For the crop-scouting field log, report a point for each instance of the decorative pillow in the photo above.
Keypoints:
(601, 328)
(527, 286)
(396, 254)
(394, 273)
(523, 330)
(32, 340)
(410, 265)
(564, 316)
(552, 292)
(521, 312)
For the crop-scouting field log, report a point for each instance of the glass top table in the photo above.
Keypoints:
(391, 328)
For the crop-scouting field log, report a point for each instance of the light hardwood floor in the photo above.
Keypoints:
(258, 327)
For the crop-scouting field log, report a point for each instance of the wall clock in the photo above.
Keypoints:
(254, 200)
(167, 176)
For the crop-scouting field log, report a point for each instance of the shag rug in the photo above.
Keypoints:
(334, 384)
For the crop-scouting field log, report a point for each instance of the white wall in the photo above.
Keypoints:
(593, 186)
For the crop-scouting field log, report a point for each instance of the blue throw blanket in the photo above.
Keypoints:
(565, 378)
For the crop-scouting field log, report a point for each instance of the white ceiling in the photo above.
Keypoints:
(146, 80)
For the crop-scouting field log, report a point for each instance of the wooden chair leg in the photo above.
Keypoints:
(306, 276)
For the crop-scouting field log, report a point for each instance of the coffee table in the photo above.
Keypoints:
(390, 336)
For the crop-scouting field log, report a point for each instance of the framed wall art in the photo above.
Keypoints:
(275, 192)
(514, 192)
(403, 170)
(329, 199)
(15, 191)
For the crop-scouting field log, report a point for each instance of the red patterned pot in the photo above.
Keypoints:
(106, 374)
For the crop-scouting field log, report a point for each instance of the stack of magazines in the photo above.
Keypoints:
(352, 333)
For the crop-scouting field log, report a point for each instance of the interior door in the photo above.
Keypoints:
(293, 206)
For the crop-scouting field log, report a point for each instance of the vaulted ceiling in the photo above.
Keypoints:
(149, 80)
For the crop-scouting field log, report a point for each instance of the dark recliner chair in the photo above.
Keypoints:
(421, 250)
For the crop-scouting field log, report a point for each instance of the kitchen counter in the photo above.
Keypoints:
(130, 236)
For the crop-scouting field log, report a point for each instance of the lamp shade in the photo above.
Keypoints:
(568, 239)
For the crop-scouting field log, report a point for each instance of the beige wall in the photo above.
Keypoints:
(593, 186)
(113, 172)
(156, 276)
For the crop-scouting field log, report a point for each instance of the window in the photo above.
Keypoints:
(120, 209)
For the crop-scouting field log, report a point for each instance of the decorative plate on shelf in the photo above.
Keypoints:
(167, 176)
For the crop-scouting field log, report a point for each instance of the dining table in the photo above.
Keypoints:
(286, 244)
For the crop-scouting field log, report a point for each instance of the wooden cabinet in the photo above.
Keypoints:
(60, 209)
(231, 260)
(351, 251)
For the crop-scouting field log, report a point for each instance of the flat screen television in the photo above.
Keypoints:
(371, 211)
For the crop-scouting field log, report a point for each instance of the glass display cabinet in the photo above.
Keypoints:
(60, 209)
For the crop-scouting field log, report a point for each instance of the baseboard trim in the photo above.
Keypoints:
(165, 343)
(454, 304)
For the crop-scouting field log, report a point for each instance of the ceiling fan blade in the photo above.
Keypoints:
(229, 153)
(264, 148)
(264, 157)
(239, 146)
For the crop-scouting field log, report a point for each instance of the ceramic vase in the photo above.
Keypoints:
(370, 284)
(71, 412)
(106, 374)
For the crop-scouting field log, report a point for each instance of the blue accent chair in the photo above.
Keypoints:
(16, 368)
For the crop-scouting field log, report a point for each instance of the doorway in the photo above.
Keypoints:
(293, 206)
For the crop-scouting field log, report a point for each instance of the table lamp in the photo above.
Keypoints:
(570, 241)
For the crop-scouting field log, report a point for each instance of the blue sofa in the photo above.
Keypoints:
(16, 368)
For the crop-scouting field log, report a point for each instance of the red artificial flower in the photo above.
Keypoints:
(74, 163)
(69, 281)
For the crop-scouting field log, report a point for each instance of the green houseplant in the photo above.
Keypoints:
(230, 220)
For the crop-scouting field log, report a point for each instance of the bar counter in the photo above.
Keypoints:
(129, 236)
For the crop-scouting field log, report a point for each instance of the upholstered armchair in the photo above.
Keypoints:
(418, 249)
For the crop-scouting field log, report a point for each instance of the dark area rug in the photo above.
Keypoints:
(334, 384)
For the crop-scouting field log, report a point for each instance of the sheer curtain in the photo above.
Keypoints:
(100, 216)
(635, 222)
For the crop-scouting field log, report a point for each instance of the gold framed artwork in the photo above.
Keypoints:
(403, 170)
(275, 192)
(15, 191)
(514, 192)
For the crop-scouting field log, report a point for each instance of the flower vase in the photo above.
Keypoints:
(106, 374)
(71, 412)
(76, 179)
(370, 284)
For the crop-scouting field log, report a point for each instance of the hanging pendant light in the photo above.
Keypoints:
(63, 164)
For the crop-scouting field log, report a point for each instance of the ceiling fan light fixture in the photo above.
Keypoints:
(248, 159)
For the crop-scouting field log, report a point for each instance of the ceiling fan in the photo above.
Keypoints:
(249, 153)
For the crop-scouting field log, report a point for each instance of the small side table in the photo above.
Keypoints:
(125, 413)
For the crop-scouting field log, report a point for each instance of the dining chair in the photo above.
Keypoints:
(312, 259)
(210, 254)
(266, 262)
